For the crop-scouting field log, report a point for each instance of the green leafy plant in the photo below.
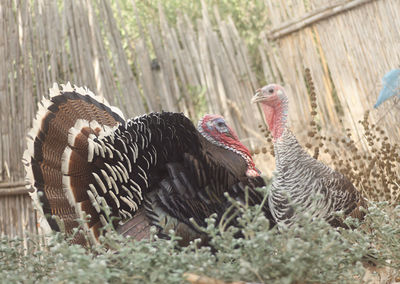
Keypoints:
(310, 251)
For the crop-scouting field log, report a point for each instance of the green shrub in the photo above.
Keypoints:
(311, 251)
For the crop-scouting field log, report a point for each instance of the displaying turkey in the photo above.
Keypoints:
(153, 170)
(301, 181)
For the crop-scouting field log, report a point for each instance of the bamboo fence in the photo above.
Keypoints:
(17, 217)
(193, 66)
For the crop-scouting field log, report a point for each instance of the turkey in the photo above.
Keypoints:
(301, 181)
(157, 169)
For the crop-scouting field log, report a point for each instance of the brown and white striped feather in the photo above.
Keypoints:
(61, 124)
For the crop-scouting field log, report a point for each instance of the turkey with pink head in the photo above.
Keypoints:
(153, 170)
(301, 181)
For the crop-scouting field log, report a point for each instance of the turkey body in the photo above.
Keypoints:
(153, 170)
(301, 183)
(310, 186)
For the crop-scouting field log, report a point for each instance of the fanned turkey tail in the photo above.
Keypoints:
(58, 154)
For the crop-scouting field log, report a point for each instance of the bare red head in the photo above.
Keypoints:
(274, 103)
(214, 128)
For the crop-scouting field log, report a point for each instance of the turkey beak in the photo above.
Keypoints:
(257, 97)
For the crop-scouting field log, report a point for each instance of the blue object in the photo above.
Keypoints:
(391, 86)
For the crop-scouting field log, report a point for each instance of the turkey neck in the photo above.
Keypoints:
(228, 151)
(287, 149)
(223, 156)
(276, 116)
(285, 144)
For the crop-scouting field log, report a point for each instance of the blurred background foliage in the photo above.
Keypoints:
(249, 18)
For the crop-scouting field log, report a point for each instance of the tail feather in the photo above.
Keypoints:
(56, 159)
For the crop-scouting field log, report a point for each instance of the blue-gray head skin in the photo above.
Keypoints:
(214, 128)
(390, 88)
(274, 103)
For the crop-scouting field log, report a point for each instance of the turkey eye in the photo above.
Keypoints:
(220, 124)
(271, 91)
